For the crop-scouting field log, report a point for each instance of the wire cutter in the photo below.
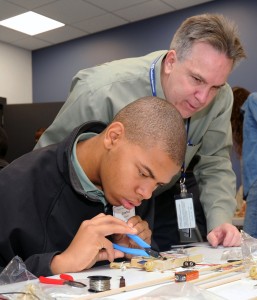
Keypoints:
(146, 251)
(64, 279)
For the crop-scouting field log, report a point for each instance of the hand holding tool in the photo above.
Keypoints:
(146, 251)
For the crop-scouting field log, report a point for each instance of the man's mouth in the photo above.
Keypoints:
(191, 106)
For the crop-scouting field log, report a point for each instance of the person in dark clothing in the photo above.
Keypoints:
(56, 202)
(3, 147)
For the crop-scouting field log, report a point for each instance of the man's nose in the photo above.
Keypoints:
(202, 95)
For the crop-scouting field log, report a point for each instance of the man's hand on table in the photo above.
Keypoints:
(226, 235)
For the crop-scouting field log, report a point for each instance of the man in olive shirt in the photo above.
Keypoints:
(192, 75)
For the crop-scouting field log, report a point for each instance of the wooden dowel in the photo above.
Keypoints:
(221, 266)
(128, 288)
(211, 276)
(154, 282)
(220, 282)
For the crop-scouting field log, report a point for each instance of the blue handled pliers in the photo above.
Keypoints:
(146, 251)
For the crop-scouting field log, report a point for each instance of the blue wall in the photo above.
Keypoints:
(54, 67)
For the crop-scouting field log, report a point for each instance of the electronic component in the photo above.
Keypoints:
(188, 264)
(187, 275)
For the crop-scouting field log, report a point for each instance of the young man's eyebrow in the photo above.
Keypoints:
(149, 171)
(151, 174)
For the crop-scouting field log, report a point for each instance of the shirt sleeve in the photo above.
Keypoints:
(249, 142)
(39, 264)
(214, 173)
(98, 93)
(81, 106)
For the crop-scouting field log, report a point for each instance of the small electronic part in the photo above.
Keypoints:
(233, 260)
(122, 282)
(253, 272)
(187, 275)
(188, 264)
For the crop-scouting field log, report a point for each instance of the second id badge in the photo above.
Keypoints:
(185, 211)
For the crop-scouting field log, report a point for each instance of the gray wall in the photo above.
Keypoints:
(54, 67)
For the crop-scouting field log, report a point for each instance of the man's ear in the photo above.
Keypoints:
(169, 60)
(114, 133)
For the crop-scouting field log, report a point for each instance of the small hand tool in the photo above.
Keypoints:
(64, 279)
(146, 251)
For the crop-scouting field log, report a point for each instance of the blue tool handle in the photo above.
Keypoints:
(132, 251)
(138, 240)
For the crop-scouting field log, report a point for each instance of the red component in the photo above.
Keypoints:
(186, 275)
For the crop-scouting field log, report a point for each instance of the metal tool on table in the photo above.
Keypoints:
(64, 279)
(146, 251)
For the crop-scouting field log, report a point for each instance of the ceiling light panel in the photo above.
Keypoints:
(31, 23)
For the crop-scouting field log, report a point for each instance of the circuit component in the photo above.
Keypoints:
(187, 275)
(188, 264)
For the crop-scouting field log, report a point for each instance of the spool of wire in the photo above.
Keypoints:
(99, 283)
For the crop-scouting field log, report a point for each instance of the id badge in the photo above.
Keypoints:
(185, 211)
(122, 213)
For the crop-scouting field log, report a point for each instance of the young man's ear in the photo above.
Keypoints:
(114, 133)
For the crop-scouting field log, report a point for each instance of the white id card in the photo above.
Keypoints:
(185, 213)
(122, 213)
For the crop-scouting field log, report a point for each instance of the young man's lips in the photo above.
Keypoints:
(128, 204)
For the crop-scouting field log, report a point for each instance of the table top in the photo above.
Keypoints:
(243, 288)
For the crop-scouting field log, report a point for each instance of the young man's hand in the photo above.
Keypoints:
(91, 245)
(143, 232)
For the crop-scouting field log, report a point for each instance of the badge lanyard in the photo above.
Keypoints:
(153, 88)
(184, 201)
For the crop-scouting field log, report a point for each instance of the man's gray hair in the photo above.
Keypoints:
(213, 29)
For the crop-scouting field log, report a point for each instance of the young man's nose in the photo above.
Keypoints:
(145, 190)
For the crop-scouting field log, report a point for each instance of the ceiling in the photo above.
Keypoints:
(82, 17)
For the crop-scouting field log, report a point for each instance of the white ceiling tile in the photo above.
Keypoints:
(100, 23)
(8, 35)
(144, 10)
(83, 16)
(61, 34)
(68, 12)
(113, 5)
(8, 10)
(31, 4)
(30, 43)
(179, 4)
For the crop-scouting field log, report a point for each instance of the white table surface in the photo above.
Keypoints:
(239, 290)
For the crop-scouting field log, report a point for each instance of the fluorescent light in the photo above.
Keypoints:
(31, 23)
